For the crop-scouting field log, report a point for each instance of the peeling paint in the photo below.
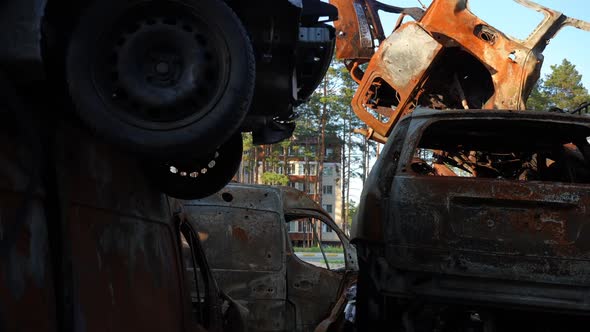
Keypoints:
(254, 264)
(436, 63)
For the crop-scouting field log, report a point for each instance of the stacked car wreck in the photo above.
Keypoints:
(474, 218)
(108, 105)
(475, 215)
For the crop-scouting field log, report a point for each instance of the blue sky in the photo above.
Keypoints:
(518, 21)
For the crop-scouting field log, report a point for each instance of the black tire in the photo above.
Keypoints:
(161, 77)
(200, 177)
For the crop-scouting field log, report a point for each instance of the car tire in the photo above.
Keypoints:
(200, 177)
(161, 77)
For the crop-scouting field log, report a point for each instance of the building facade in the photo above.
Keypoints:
(299, 162)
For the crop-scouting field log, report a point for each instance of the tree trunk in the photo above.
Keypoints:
(285, 165)
(253, 164)
(349, 173)
(263, 159)
(322, 144)
(256, 160)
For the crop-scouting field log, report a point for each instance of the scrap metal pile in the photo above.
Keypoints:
(445, 58)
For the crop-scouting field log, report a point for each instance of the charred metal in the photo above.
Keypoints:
(245, 236)
(474, 217)
(434, 62)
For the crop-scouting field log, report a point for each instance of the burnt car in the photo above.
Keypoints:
(445, 57)
(477, 220)
(88, 244)
(251, 236)
(172, 81)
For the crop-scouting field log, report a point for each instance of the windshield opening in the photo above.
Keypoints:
(505, 149)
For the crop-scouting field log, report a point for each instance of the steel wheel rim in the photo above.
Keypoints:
(161, 67)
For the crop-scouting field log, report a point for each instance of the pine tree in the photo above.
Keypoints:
(562, 88)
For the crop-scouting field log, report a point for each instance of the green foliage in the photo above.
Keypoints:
(247, 156)
(352, 209)
(538, 100)
(329, 108)
(285, 144)
(272, 178)
(247, 141)
(562, 88)
(315, 248)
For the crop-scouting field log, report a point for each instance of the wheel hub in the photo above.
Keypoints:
(167, 68)
(164, 70)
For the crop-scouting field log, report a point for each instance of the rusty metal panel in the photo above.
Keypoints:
(27, 295)
(247, 197)
(294, 199)
(478, 67)
(313, 291)
(408, 54)
(124, 249)
(498, 230)
(353, 34)
(513, 66)
(253, 264)
(397, 69)
(127, 268)
(239, 239)
(263, 294)
(245, 245)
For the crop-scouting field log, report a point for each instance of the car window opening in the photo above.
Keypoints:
(522, 151)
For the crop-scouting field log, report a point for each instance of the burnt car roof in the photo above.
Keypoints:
(498, 114)
(254, 196)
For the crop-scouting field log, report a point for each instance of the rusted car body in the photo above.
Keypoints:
(478, 219)
(245, 236)
(447, 58)
(474, 217)
(86, 243)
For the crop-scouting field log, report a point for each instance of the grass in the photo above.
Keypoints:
(327, 249)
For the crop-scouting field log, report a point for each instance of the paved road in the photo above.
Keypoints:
(313, 256)
(336, 260)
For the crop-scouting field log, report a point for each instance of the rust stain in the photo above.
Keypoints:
(239, 234)
(472, 65)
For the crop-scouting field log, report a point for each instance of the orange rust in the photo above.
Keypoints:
(348, 30)
(512, 66)
(239, 234)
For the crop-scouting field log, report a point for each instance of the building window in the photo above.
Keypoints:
(328, 208)
(299, 185)
(300, 226)
(291, 169)
(312, 169)
(329, 152)
(326, 228)
(328, 190)
(300, 169)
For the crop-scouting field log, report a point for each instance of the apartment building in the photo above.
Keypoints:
(302, 169)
